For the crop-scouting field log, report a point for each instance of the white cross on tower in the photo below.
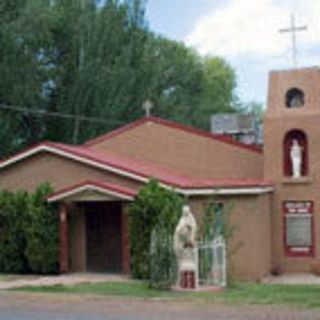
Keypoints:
(294, 29)
(147, 106)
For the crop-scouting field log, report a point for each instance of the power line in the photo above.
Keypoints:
(59, 114)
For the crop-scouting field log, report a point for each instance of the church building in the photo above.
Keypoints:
(273, 189)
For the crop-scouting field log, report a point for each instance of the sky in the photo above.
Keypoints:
(244, 32)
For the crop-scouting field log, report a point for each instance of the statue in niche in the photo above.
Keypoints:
(296, 158)
(185, 241)
(296, 101)
(295, 98)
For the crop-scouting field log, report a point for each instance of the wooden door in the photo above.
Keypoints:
(104, 237)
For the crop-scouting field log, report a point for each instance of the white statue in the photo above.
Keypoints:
(296, 158)
(296, 101)
(185, 241)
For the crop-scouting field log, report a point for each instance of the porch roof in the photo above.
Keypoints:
(104, 189)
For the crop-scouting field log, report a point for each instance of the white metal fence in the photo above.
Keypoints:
(212, 264)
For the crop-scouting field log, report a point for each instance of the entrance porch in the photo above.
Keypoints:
(96, 234)
(93, 228)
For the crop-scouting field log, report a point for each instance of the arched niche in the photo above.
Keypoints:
(294, 98)
(292, 137)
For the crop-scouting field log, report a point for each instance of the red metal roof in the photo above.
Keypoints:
(138, 169)
(162, 174)
(108, 187)
(171, 124)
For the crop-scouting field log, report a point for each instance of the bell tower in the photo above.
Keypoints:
(292, 163)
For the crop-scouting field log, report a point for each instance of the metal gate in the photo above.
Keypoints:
(212, 264)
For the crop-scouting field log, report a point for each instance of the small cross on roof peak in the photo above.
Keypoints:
(147, 106)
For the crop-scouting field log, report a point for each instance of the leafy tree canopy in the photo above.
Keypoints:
(97, 59)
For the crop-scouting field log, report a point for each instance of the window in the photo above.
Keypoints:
(294, 98)
(218, 225)
(298, 232)
(298, 138)
(213, 223)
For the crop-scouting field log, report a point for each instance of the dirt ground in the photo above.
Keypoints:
(30, 306)
(68, 279)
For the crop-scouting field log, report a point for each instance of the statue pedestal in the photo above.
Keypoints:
(187, 279)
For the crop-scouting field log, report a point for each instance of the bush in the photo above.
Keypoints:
(163, 262)
(12, 226)
(42, 233)
(159, 209)
(28, 232)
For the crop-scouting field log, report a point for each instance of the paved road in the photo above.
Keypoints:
(26, 306)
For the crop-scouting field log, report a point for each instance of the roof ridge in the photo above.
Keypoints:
(176, 125)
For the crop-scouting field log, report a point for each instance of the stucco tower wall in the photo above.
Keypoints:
(278, 121)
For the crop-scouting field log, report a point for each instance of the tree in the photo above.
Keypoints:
(173, 75)
(86, 60)
(99, 53)
(217, 94)
(256, 109)
(25, 45)
(155, 210)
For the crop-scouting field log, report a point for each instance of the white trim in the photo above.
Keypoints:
(87, 187)
(225, 191)
(69, 155)
(97, 164)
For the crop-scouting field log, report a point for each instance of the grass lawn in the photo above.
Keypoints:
(305, 296)
(7, 277)
(130, 289)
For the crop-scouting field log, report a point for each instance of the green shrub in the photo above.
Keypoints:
(155, 208)
(42, 233)
(163, 262)
(12, 226)
(28, 232)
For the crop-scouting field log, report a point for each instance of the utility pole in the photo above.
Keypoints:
(76, 128)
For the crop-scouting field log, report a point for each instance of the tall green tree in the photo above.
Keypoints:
(80, 58)
(99, 67)
(25, 64)
(173, 78)
(217, 96)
